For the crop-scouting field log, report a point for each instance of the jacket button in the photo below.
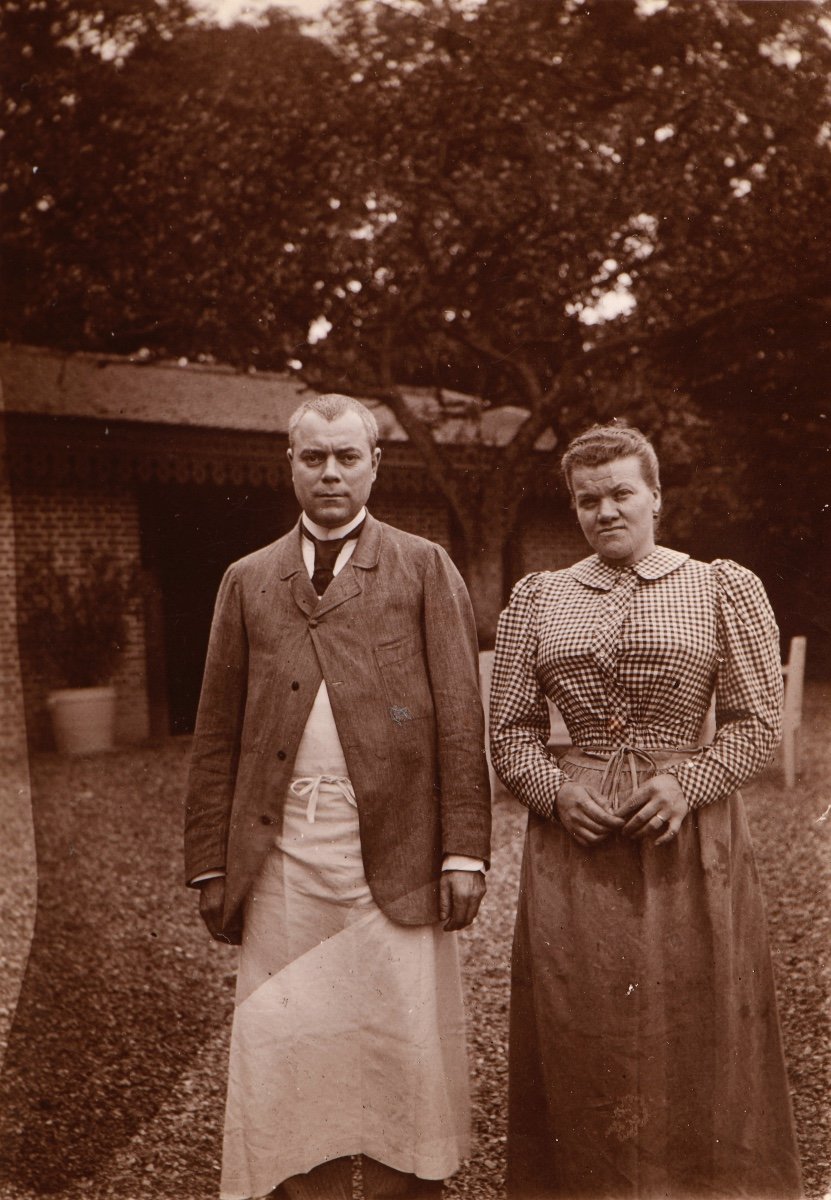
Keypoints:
(313, 623)
(295, 685)
(281, 754)
(266, 820)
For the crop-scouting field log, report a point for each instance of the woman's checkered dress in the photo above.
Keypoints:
(646, 1059)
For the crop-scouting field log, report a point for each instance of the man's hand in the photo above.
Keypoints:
(211, 903)
(583, 814)
(656, 811)
(460, 894)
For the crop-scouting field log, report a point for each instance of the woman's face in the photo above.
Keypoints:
(616, 509)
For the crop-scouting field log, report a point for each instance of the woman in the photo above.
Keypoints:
(646, 1057)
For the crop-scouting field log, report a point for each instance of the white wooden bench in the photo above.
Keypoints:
(793, 672)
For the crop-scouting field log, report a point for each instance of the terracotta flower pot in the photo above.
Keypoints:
(83, 719)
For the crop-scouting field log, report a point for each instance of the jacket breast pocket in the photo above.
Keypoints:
(403, 670)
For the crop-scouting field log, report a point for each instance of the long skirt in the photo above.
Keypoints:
(645, 1052)
(348, 1033)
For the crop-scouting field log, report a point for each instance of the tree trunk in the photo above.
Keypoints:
(485, 544)
(485, 578)
(486, 527)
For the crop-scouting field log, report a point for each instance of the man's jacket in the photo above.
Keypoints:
(394, 638)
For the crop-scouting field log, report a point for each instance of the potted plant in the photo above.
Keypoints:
(75, 624)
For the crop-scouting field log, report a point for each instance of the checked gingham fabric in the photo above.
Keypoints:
(631, 657)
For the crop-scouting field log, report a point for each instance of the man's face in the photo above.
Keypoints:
(332, 467)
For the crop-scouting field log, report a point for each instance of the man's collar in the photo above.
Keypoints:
(595, 573)
(326, 535)
(365, 554)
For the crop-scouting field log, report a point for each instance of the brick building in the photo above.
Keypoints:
(181, 469)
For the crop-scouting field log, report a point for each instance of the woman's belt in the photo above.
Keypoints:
(634, 758)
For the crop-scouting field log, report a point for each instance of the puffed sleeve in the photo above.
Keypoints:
(748, 690)
(519, 720)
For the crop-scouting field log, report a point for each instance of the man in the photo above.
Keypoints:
(337, 824)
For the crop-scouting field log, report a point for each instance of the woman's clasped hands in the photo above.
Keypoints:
(654, 812)
(585, 813)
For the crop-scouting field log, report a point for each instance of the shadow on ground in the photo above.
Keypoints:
(112, 1007)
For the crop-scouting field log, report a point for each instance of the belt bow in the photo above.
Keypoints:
(625, 756)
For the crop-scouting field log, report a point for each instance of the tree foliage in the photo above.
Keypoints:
(527, 162)
(531, 169)
(61, 62)
(596, 208)
(178, 174)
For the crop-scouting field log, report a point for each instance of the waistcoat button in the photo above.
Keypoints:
(281, 754)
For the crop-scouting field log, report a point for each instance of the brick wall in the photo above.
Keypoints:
(428, 520)
(12, 724)
(18, 867)
(65, 519)
(549, 539)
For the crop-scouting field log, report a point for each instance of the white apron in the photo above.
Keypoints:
(348, 1034)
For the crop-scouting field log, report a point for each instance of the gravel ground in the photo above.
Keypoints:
(114, 1071)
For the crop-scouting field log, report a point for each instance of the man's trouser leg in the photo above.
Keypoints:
(330, 1181)
(385, 1183)
(333, 1181)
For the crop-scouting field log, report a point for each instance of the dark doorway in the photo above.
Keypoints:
(190, 534)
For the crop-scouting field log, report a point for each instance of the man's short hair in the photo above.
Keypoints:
(331, 406)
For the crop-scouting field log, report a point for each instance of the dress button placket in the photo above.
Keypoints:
(616, 725)
(608, 628)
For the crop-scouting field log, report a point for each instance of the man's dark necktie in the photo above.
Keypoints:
(326, 555)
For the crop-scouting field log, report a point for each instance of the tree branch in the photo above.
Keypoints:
(439, 469)
(435, 459)
(481, 344)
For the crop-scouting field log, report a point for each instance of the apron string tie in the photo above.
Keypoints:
(307, 787)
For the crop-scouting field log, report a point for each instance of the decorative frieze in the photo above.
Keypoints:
(89, 451)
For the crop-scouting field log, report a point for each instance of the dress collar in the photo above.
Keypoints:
(595, 573)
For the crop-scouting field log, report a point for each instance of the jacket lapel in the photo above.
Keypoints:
(347, 584)
(343, 587)
(365, 554)
(292, 567)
